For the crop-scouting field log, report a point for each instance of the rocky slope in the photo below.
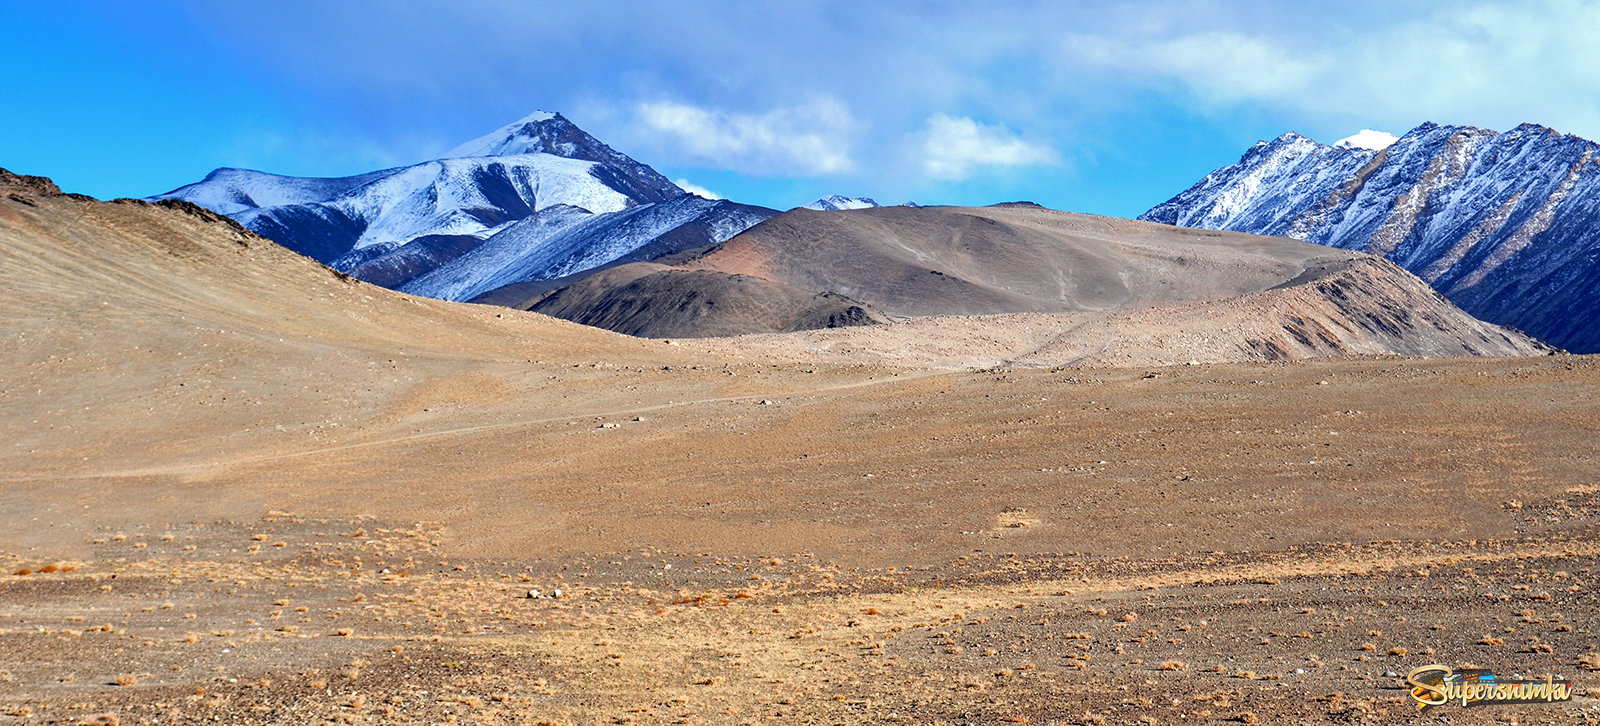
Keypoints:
(1504, 224)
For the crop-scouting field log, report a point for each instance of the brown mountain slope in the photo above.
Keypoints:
(1134, 291)
(1364, 306)
(703, 303)
(166, 333)
(1015, 258)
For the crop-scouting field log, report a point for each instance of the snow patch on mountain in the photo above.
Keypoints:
(1256, 191)
(834, 202)
(230, 191)
(452, 197)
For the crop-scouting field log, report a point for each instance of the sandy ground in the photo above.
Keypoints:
(275, 496)
(1205, 544)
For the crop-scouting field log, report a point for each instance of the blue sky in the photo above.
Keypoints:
(1107, 108)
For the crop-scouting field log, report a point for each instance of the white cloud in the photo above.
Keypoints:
(1484, 63)
(1220, 65)
(1368, 139)
(696, 189)
(809, 139)
(953, 146)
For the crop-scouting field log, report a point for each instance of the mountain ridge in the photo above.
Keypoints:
(1505, 224)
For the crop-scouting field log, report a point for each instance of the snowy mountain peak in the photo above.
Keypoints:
(1368, 139)
(536, 117)
(834, 202)
(535, 133)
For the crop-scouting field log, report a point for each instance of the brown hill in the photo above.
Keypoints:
(702, 303)
(1138, 290)
(1361, 306)
(167, 333)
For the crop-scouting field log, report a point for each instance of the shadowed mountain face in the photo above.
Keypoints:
(1504, 224)
(656, 301)
(809, 270)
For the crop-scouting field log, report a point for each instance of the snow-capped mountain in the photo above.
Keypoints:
(394, 226)
(834, 202)
(1506, 225)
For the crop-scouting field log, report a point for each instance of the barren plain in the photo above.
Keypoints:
(238, 488)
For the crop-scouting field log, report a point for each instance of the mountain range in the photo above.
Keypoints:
(1507, 225)
(535, 199)
(1092, 290)
(1502, 224)
(213, 310)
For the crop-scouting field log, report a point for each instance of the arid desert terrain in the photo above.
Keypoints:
(237, 487)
